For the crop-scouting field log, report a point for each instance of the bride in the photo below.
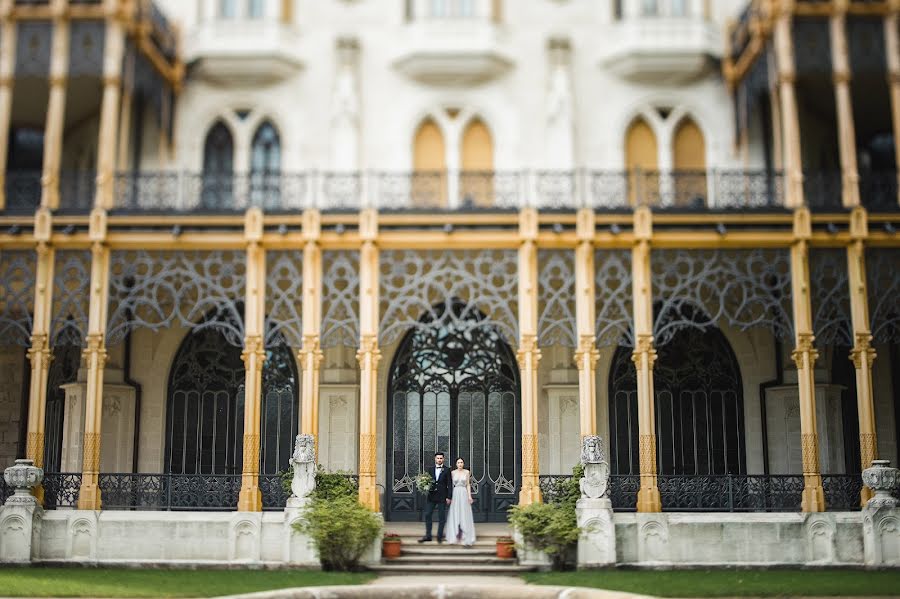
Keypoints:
(460, 524)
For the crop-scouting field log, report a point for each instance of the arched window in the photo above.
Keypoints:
(476, 179)
(429, 188)
(689, 152)
(265, 166)
(218, 167)
(641, 159)
(698, 405)
(205, 407)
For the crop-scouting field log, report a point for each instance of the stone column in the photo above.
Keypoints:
(40, 355)
(840, 60)
(586, 355)
(7, 79)
(804, 356)
(56, 108)
(95, 361)
(892, 49)
(644, 356)
(529, 355)
(254, 356)
(368, 356)
(862, 354)
(109, 109)
(784, 55)
(310, 355)
(126, 112)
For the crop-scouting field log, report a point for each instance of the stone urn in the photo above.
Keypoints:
(23, 477)
(882, 479)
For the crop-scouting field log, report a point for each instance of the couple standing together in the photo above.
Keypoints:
(453, 490)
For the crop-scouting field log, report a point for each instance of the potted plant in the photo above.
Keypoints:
(506, 547)
(390, 545)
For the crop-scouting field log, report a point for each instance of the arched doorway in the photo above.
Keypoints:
(454, 387)
(205, 407)
(699, 407)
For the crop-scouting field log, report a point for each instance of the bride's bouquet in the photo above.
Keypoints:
(425, 483)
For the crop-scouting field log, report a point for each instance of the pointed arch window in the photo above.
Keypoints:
(265, 166)
(218, 167)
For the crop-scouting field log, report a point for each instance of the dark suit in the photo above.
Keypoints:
(437, 498)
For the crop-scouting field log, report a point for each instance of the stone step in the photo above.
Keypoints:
(450, 559)
(452, 550)
(441, 568)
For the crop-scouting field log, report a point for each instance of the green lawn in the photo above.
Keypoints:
(731, 583)
(119, 582)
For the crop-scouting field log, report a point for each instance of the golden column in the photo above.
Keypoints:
(529, 355)
(7, 79)
(892, 49)
(310, 355)
(586, 355)
(113, 53)
(784, 56)
(368, 355)
(40, 353)
(95, 361)
(56, 106)
(862, 354)
(644, 356)
(840, 60)
(804, 356)
(254, 356)
(126, 112)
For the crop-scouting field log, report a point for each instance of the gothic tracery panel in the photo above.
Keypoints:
(284, 293)
(830, 295)
(340, 299)
(884, 294)
(613, 298)
(17, 272)
(71, 281)
(556, 298)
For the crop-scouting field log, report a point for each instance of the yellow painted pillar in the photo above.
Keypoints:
(126, 112)
(644, 356)
(56, 108)
(529, 355)
(892, 49)
(109, 109)
(254, 356)
(784, 56)
(805, 356)
(95, 361)
(862, 354)
(287, 12)
(310, 355)
(40, 353)
(7, 81)
(368, 356)
(586, 355)
(840, 59)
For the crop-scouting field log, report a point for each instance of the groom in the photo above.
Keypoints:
(439, 497)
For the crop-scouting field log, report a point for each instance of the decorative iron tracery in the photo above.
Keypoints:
(454, 388)
(17, 272)
(698, 407)
(71, 299)
(284, 293)
(86, 46)
(416, 284)
(700, 288)
(556, 298)
(158, 289)
(614, 298)
(340, 298)
(830, 297)
(884, 294)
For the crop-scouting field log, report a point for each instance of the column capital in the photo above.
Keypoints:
(805, 354)
(95, 350)
(841, 77)
(863, 353)
(311, 350)
(368, 350)
(586, 349)
(254, 347)
(7, 80)
(528, 354)
(643, 347)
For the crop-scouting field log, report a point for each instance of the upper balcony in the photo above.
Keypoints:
(452, 42)
(663, 41)
(249, 42)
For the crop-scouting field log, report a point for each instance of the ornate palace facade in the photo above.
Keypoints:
(483, 227)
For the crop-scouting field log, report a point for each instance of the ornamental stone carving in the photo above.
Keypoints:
(882, 479)
(303, 462)
(595, 482)
(23, 477)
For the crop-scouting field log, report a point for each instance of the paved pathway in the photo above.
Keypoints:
(451, 578)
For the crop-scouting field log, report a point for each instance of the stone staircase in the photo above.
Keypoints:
(432, 558)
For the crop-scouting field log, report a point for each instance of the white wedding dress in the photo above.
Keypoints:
(460, 524)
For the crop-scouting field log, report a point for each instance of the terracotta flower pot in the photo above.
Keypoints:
(506, 549)
(390, 548)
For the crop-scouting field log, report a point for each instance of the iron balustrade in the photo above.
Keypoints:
(724, 493)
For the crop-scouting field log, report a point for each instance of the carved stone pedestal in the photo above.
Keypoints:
(597, 541)
(21, 516)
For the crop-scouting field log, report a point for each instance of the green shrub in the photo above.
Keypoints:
(341, 529)
(328, 484)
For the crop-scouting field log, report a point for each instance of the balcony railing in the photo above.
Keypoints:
(714, 190)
